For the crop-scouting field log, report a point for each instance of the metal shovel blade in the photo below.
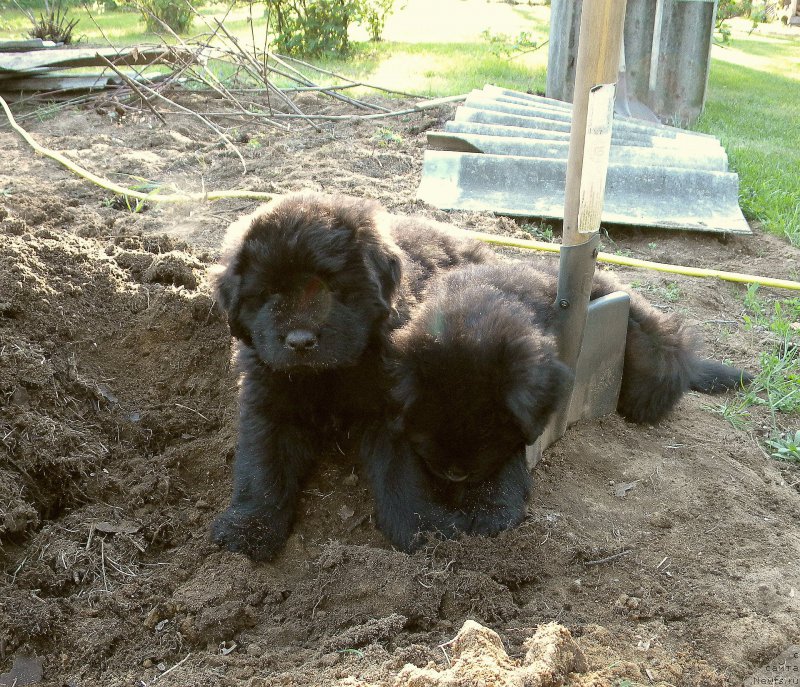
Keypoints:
(598, 373)
(598, 376)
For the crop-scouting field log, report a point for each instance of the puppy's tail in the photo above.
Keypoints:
(661, 365)
(712, 377)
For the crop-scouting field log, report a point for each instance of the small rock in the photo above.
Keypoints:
(328, 660)
(621, 489)
(661, 520)
(20, 396)
(254, 649)
(172, 269)
(147, 663)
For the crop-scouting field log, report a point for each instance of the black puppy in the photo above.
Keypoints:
(477, 378)
(312, 285)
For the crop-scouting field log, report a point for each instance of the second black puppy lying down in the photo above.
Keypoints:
(477, 377)
(312, 285)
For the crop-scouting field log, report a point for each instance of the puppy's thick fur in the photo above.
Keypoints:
(477, 377)
(312, 285)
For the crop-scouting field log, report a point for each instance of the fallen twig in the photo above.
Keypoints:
(169, 670)
(421, 107)
(132, 85)
(205, 121)
(608, 559)
(306, 81)
(350, 81)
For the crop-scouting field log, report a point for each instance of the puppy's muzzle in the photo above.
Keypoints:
(455, 475)
(300, 340)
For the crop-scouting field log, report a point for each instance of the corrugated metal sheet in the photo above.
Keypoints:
(506, 152)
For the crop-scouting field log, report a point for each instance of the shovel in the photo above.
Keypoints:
(591, 336)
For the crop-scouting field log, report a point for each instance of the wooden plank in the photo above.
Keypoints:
(61, 58)
(26, 45)
(59, 82)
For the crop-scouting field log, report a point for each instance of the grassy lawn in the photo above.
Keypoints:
(752, 106)
(121, 28)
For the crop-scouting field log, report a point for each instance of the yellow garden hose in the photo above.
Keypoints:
(154, 196)
(644, 264)
(109, 185)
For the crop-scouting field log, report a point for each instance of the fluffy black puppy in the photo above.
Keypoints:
(477, 377)
(312, 285)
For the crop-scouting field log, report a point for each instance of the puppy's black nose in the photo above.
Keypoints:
(301, 340)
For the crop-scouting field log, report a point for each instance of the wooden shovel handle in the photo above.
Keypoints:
(599, 43)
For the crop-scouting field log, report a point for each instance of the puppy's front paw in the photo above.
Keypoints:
(489, 521)
(258, 536)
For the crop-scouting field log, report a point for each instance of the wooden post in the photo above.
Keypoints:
(667, 54)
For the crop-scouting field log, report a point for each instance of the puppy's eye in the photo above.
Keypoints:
(421, 445)
(252, 299)
(260, 295)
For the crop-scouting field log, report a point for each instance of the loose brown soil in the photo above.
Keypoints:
(117, 422)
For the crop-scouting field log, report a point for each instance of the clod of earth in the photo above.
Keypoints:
(477, 657)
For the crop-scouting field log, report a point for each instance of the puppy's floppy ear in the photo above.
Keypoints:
(227, 285)
(368, 225)
(404, 392)
(227, 277)
(386, 263)
(537, 388)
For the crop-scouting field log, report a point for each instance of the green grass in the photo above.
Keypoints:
(752, 102)
(786, 446)
(539, 230)
(430, 69)
(776, 387)
(436, 69)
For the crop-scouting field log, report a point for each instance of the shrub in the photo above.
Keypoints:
(727, 9)
(374, 13)
(176, 14)
(309, 27)
(314, 27)
(52, 23)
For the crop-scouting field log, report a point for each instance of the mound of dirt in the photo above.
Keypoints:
(654, 549)
(478, 658)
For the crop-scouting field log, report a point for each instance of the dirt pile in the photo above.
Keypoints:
(478, 658)
(112, 380)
